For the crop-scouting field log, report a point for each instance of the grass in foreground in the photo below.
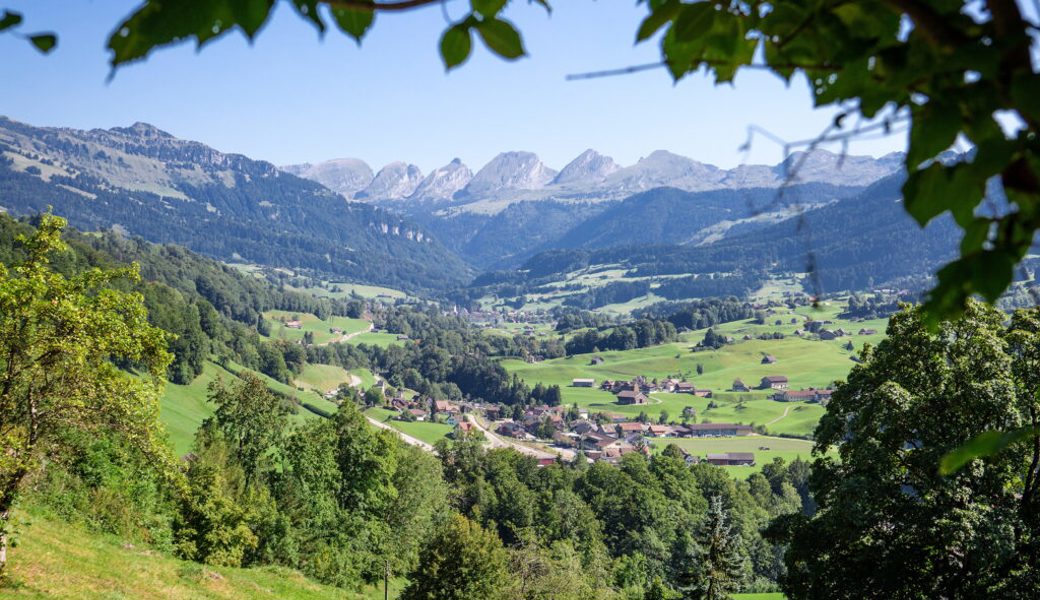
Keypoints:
(58, 560)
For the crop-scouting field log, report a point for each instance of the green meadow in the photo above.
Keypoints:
(765, 448)
(430, 433)
(311, 323)
(56, 560)
(806, 363)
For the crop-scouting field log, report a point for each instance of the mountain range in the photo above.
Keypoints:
(521, 176)
(145, 182)
(676, 226)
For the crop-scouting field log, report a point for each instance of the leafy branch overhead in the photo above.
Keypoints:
(947, 67)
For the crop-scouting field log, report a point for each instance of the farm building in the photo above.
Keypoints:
(596, 360)
(583, 382)
(867, 331)
(294, 324)
(768, 359)
(775, 382)
(740, 386)
(631, 397)
(732, 459)
(684, 387)
(810, 395)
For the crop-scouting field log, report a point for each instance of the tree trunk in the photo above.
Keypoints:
(4, 518)
(386, 580)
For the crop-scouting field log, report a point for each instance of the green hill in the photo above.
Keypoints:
(58, 560)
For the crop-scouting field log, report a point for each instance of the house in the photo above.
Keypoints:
(684, 387)
(827, 334)
(583, 382)
(418, 413)
(629, 427)
(795, 396)
(401, 337)
(445, 406)
(660, 430)
(717, 429)
(566, 438)
(294, 324)
(596, 360)
(868, 331)
(702, 393)
(732, 459)
(739, 386)
(546, 461)
(768, 359)
(464, 427)
(775, 382)
(631, 397)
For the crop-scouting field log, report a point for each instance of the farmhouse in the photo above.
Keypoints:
(768, 359)
(294, 324)
(867, 331)
(714, 430)
(660, 430)
(583, 382)
(445, 406)
(827, 334)
(702, 393)
(732, 459)
(596, 360)
(809, 395)
(464, 427)
(775, 382)
(684, 387)
(740, 386)
(630, 427)
(631, 397)
(418, 413)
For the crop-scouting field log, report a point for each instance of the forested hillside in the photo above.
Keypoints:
(145, 182)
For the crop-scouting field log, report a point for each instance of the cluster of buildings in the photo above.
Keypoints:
(636, 390)
(609, 440)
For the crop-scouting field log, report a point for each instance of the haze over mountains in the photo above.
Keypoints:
(519, 176)
(665, 216)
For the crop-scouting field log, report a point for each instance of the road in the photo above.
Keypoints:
(404, 436)
(496, 441)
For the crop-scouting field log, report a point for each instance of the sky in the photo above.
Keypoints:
(294, 97)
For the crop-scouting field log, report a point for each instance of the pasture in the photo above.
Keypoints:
(276, 319)
(765, 448)
(430, 433)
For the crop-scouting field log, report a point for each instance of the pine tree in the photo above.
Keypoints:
(719, 558)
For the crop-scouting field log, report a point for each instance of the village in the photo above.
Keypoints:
(552, 433)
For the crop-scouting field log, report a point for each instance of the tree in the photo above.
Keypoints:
(59, 336)
(718, 558)
(251, 418)
(462, 561)
(884, 507)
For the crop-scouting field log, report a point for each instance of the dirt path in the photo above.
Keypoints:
(404, 436)
(347, 336)
(786, 410)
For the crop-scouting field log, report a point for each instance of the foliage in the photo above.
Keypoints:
(58, 338)
(883, 506)
(461, 561)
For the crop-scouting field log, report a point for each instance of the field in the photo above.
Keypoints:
(375, 338)
(807, 363)
(322, 378)
(311, 323)
(785, 448)
(426, 432)
(60, 561)
(183, 407)
(348, 290)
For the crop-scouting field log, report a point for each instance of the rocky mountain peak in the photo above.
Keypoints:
(512, 171)
(394, 181)
(589, 166)
(346, 176)
(443, 182)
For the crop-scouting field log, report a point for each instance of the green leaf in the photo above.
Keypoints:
(10, 19)
(983, 445)
(930, 192)
(488, 8)
(354, 22)
(456, 44)
(157, 24)
(1025, 92)
(308, 9)
(501, 38)
(656, 20)
(934, 129)
(693, 21)
(44, 42)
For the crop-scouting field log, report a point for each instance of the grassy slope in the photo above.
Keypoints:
(311, 323)
(184, 407)
(56, 560)
(322, 377)
(785, 448)
(808, 363)
(427, 432)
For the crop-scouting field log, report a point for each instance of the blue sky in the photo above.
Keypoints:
(293, 97)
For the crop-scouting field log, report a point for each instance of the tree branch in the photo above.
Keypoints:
(932, 24)
(400, 6)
